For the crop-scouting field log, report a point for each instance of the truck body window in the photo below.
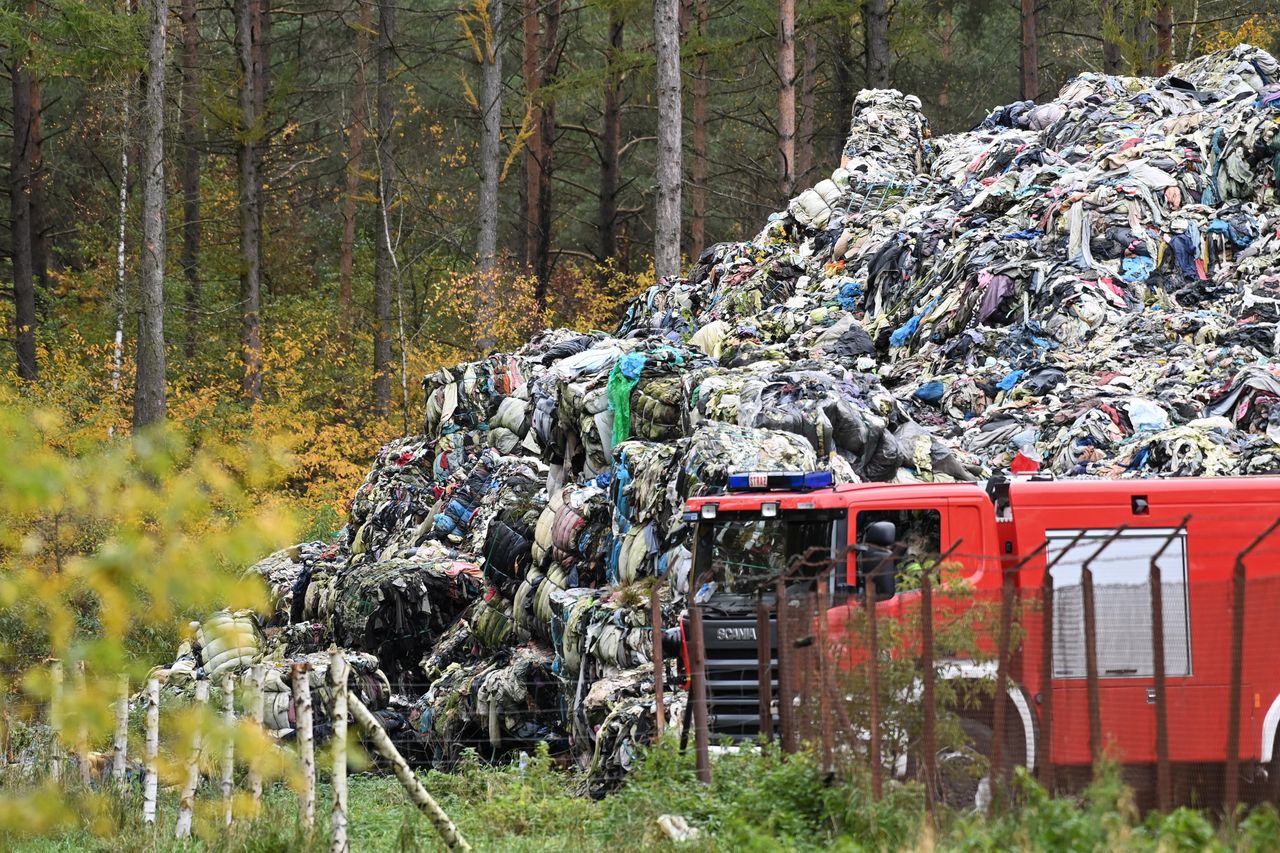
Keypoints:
(1122, 604)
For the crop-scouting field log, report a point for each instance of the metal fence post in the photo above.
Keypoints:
(1164, 792)
(1231, 782)
(764, 668)
(786, 655)
(697, 662)
(659, 663)
(824, 698)
(873, 678)
(1045, 760)
(1091, 647)
(928, 735)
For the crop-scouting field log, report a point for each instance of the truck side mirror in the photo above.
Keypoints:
(882, 534)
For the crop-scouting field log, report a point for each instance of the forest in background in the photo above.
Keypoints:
(273, 217)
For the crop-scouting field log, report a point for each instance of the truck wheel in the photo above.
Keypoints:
(962, 771)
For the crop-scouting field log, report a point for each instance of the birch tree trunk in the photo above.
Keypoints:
(875, 23)
(301, 684)
(82, 728)
(786, 97)
(338, 685)
(256, 699)
(187, 800)
(150, 781)
(382, 253)
(229, 750)
(666, 250)
(490, 166)
(120, 758)
(421, 798)
(191, 155)
(355, 148)
(120, 296)
(55, 721)
(247, 16)
(149, 387)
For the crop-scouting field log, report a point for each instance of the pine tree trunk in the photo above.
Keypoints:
(191, 156)
(533, 143)
(610, 141)
(490, 168)
(808, 110)
(149, 388)
(250, 218)
(698, 168)
(1164, 36)
(355, 148)
(24, 289)
(39, 219)
(786, 97)
(546, 144)
(845, 86)
(875, 22)
(1111, 53)
(382, 254)
(364, 718)
(1030, 52)
(666, 254)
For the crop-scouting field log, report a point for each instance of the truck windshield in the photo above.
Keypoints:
(747, 554)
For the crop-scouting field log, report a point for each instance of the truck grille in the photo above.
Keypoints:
(733, 677)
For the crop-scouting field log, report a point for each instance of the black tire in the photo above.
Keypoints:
(962, 771)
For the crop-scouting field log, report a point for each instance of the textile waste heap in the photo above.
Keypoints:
(1089, 286)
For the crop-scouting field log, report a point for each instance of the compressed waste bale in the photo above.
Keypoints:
(228, 642)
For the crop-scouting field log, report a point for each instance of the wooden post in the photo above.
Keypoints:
(873, 677)
(1231, 782)
(55, 721)
(338, 684)
(229, 750)
(1164, 787)
(1091, 648)
(1045, 761)
(928, 736)
(186, 803)
(152, 750)
(824, 697)
(659, 662)
(999, 717)
(82, 727)
(301, 684)
(786, 654)
(698, 695)
(120, 760)
(764, 668)
(256, 698)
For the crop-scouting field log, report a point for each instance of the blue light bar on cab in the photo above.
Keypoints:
(764, 481)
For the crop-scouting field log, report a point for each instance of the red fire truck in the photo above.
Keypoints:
(748, 536)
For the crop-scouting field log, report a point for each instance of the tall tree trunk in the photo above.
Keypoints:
(250, 218)
(120, 296)
(808, 109)
(845, 87)
(190, 118)
(39, 219)
(1030, 52)
(382, 270)
(24, 289)
(531, 69)
(355, 148)
(698, 168)
(490, 167)
(149, 389)
(666, 231)
(948, 34)
(546, 143)
(875, 24)
(1111, 53)
(610, 141)
(786, 97)
(1164, 36)
(1143, 59)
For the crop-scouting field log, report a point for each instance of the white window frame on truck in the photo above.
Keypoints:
(1123, 619)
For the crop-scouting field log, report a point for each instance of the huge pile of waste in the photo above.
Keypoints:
(1088, 285)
